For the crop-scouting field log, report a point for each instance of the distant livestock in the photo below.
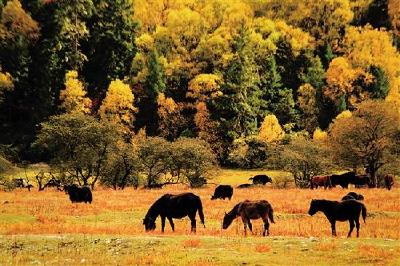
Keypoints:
(174, 206)
(222, 192)
(261, 179)
(389, 181)
(347, 210)
(244, 185)
(321, 181)
(343, 179)
(78, 194)
(250, 210)
(353, 196)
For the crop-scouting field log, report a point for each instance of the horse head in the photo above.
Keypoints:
(149, 223)
(228, 219)
(313, 207)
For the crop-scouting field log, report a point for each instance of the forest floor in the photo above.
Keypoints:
(38, 228)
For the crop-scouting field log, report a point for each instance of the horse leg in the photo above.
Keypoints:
(333, 226)
(193, 223)
(250, 226)
(162, 223)
(357, 226)
(351, 222)
(244, 220)
(171, 222)
(266, 227)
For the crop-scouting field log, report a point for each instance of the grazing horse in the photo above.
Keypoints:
(353, 196)
(244, 185)
(248, 210)
(261, 179)
(348, 210)
(222, 192)
(174, 206)
(360, 180)
(343, 180)
(389, 181)
(321, 181)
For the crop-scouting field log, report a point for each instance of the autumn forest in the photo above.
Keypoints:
(247, 78)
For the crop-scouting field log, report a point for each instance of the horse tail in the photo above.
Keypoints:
(271, 214)
(364, 212)
(200, 209)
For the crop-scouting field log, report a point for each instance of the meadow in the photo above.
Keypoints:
(45, 228)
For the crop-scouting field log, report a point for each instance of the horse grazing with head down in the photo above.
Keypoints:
(348, 210)
(174, 206)
(250, 210)
(321, 181)
(353, 196)
(389, 181)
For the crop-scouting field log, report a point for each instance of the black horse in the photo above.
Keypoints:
(174, 206)
(244, 185)
(261, 179)
(78, 194)
(250, 210)
(348, 210)
(343, 180)
(353, 196)
(222, 192)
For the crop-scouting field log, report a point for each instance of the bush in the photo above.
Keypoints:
(248, 153)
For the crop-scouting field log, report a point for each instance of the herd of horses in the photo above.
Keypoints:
(171, 206)
(188, 204)
(343, 180)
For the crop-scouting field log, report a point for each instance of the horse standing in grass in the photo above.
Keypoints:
(250, 210)
(353, 196)
(348, 210)
(321, 181)
(174, 206)
(389, 181)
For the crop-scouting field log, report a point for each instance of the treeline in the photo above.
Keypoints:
(238, 74)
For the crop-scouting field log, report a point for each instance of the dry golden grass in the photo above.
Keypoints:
(121, 212)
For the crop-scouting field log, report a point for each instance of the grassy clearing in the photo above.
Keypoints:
(194, 250)
(38, 227)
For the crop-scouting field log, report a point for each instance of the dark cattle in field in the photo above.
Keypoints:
(261, 179)
(222, 192)
(353, 196)
(321, 181)
(343, 180)
(244, 185)
(389, 181)
(78, 194)
(360, 180)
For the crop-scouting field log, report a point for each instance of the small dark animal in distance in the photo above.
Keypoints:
(78, 194)
(261, 179)
(244, 186)
(353, 196)
(222, 192)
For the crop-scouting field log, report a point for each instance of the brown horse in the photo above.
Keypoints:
(347, 210)
(321, 181)
(389, 181)
(250, 210)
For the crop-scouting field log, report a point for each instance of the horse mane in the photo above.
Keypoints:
(154, 209)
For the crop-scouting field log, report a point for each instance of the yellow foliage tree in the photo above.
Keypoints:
(73, 97)
(394, 14)
(117, 107)
(344, 115)
(204, 86)
(271, 130)
(168, 117)
(6, 83)
(307, 103)
(320, 135)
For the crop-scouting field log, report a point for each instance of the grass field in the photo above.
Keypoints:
(45, 228)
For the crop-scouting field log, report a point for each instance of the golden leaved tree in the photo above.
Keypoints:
(271, 130)
(73, 97)
(117, 107)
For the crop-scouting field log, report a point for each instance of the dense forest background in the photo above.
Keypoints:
(219, 70)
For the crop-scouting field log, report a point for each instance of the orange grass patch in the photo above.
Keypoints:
(122, 212)
(192, 243)
(261, 248)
